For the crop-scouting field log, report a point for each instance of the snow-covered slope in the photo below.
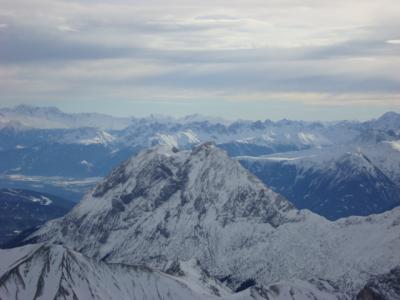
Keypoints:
(45, 271)
(165, 205)
(54, 272)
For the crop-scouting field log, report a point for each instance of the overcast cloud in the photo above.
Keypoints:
(312, 55)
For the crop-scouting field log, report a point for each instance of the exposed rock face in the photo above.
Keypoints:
(166, 205)
(296, 290)
(382, 287)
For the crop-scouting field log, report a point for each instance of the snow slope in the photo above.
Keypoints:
(44, 271)
(54, 272)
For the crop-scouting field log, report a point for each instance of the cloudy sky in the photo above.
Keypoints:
(299, 59)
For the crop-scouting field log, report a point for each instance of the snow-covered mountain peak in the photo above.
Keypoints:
(388, 121)
(202, 176)
(390, 116)
(161, 189)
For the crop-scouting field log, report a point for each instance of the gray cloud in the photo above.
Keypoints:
(229, 48)
(273, 79)
(374, 46)
(21, 45)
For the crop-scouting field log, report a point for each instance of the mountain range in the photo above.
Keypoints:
(166, 206)
(45, 148)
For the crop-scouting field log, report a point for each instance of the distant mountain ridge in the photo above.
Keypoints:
(188, 131)
(53, 118)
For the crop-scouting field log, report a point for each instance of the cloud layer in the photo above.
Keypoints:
(342, 53)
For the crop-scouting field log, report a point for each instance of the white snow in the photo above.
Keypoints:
(43, 200)
(307, 138)
(65, 272)
(395, 145)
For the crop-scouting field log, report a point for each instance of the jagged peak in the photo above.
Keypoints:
(164, 162)
(159, 152)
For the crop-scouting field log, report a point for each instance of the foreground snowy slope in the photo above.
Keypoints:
(54, 272)
(165, 205)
